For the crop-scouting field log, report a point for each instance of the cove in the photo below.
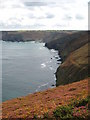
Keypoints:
(27, 67)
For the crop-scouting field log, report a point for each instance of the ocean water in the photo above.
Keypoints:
(27, 67)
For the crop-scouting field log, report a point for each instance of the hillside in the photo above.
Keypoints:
(68, 43)
(73, 49)
(45, 36)
(74, 68)
(39, 103)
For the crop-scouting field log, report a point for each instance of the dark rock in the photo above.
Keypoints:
(59, 59)
(56, 57)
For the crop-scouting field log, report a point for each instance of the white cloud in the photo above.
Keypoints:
(44, 14)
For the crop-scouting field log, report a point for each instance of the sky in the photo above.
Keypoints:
(44, 14)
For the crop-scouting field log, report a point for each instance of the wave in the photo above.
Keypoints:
(45, 86)
(43, 65)
(52, 50)
(41, 86)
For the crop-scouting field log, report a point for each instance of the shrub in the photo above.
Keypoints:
(80, 112)
(63, 112)
(45, 115)
(35, 116)
(81, 102)
(75, 111)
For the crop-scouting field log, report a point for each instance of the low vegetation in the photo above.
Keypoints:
(48, 104)
(77, 110)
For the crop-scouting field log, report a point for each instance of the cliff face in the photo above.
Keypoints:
(45, 36)
(74, 68)
(23, 35)
(73, 49)
(68, 43)
(26, 35)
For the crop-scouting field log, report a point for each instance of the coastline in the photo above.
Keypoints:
(73, 50)
(45, 66)
(72, 83)
(63, 56)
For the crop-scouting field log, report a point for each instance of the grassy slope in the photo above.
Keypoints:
(46, 101)
(74, 68)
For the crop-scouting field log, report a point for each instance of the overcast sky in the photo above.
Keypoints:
(44, 14)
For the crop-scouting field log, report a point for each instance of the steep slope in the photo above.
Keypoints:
(42, 102)
(32, 35)
(68, 43)
(73, 49)
(74, 68)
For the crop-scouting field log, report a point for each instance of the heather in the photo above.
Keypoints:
(48, 104)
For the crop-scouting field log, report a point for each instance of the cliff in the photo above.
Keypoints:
(74, 68)
(45, 36)
(73, 49)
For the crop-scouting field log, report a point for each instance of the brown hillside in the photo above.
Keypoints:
(74, 68)
(73, 50)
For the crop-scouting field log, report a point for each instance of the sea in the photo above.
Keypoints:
(27, 67)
